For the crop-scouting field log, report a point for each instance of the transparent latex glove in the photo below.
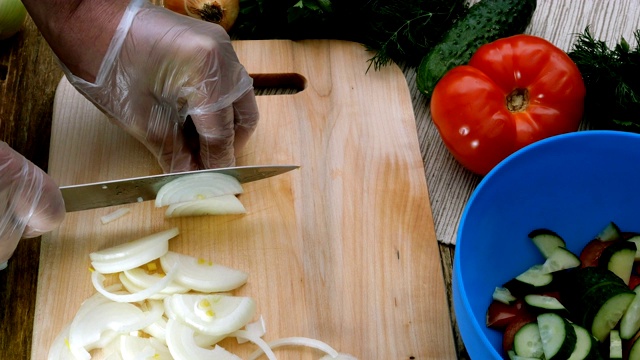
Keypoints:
(162, 67)
(30, 201)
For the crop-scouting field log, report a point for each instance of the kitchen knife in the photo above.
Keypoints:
(138, 189)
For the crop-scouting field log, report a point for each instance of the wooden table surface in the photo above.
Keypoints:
(29, 75)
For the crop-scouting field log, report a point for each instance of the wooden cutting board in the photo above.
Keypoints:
(342, 250)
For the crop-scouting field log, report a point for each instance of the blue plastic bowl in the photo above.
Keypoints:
(573, 184)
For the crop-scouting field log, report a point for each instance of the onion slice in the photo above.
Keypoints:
(340, 356)
(257, 328)
(211, 314)
(197, 187)
(101, 324)
(219, 205)
(135, 348)
(264, 348)
(158, 330)
(115, 215)
(297, 341)
(132, 254)
(203, 275)
(59, 349)
(138, 278)
(181, 343)
(98, 282)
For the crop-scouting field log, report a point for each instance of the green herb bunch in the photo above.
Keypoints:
(396, 30)
(612, 80)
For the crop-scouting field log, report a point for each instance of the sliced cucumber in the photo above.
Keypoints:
(596, 299)
(544, 303)
(636, 240)
(619, 258)
(586, 345)
(535, 279)
(611, 232)
(630, 322)
(503, 295)
(527, 341)
(512, 356)
(615, 345)
(560, 259)
(546, 241)
(609, 314)
(557, 335)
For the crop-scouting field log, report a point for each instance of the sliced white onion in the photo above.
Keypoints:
(137, 348)
(98, 327)
(219, 205)
(197, 187)
(115, 215)
(86, 308)
(113, 356)
(158, 330)
(340, 356)
(98, 283)
(132, 254)
(211, 314)
(141, 279)
(59, 349)
(133, 288)
(256, 328)
(298, 341)
(181, 343)
(264, 348)
(203, 275)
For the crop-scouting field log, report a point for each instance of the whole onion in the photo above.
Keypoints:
(12, 15)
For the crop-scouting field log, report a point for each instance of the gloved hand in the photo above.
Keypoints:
(30, 201)
(162, 67)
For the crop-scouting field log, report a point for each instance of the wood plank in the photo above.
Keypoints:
(343, 250)
(28, 78)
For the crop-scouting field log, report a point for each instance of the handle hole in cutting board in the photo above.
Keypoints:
(278, 84)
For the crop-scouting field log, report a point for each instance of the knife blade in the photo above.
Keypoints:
(138, 189)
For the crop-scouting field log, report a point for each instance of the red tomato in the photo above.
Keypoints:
(512, 329)
(591, 252)
(513, 92)
(631, 348)
(634, 281)
(499, 314)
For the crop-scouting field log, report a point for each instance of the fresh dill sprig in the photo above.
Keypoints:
(405, 31)
(612, 80)
(395, 30)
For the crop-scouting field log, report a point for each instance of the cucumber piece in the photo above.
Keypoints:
(619, 258)
(546, 241)
(596, 299)
(486, 21)
(534, 279)
(544, 303)
(630, 322)
(636, 240)
(503, 295)
(512, 356)
(609, 314)
(527, 341)
(557, 335)
(611, 232)
(634, 349)
(615, 345)
(560, 259)
(586, 345)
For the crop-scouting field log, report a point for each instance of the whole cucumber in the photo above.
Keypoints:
(486, 21)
